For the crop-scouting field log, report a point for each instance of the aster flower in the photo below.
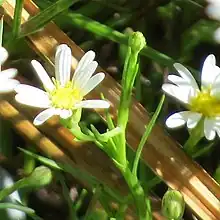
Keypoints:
(62, 96)
(7, 83)
(202, 103)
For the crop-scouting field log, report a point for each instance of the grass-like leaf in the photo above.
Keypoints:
(45, 16)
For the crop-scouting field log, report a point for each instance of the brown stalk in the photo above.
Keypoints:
(161, 153)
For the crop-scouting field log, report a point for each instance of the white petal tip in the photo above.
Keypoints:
(37, 123)
(35, 64)
(62, 46)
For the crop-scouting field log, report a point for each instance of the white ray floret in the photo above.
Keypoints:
(7, 83)
(213, 11)
(63, 95)
(202, 103)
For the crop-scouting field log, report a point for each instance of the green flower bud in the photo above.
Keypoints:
(173, 205)
(136, 41)
(40, 177)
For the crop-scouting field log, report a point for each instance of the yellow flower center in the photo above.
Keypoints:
(205, 104)
(64, 97)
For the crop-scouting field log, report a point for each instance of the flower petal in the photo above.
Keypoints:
(3, 55)
(179, 81)
(185, 74)
(209, 129)
(215, 92)
(64, 113)
(29, 90)
(216, 35)
(83, 63)
(32, 97)
(209, 71)
(182, 94)
(8, 74)
(177, 120)
(42, 74)
(85, 75)
(8, 85)
(63, 60)
(92, 104)
(212, 10)
(92, 83)
(44, 116)
(193, 119)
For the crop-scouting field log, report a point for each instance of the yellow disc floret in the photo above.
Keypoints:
(205, 104)
(64, 97)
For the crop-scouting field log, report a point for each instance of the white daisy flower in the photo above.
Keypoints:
(62, 95)
(7, 83)
(213, 9)
(201, 103)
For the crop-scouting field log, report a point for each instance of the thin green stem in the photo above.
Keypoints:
(146, 135)
(29, 163)
(142, 203)
(24, 209)
(95, 197)
(152, 183)
(16, 24)
(27, 210)
(7, 191)
(135, 45)
(196, 134)
(216, 174)
(121, 212)
(65, 190)
(80, 200)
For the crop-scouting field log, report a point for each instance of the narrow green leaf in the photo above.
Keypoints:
(1, 29)
(146, 135)
(16, 24)
(66, 195)
(45, 16)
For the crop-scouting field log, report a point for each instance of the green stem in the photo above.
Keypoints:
(196, 135)
(7, 191)
(142, 203)
(96, 195)
(65, 190)
(146, 135)
(152, 183)
(136, 43)
(17, 18)
(79, 202)
(29, 163)
(27, 210)
(216, 175)
(121, 212)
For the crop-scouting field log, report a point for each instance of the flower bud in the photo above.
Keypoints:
(173, 205)
(40, 177)
(136, 41)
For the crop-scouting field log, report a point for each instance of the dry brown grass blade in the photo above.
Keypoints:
(31, 133)
(161, 153)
